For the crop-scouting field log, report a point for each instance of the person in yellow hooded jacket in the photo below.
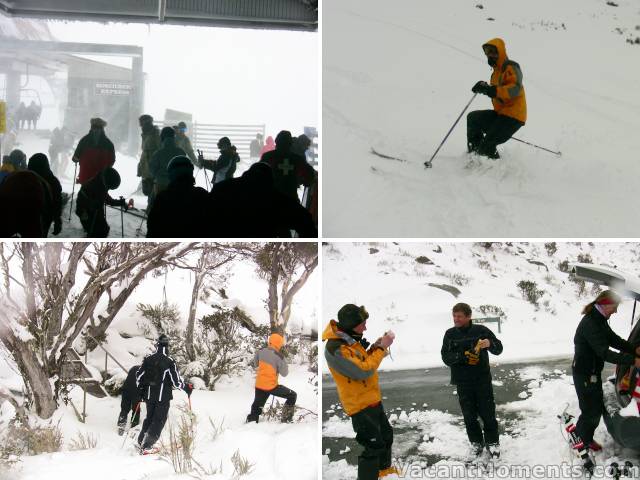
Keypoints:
(488, 128)
(354, 363)
(271, 363)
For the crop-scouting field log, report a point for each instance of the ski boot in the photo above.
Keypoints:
(287, 413)
(488, 151)
(120, 430)
(477, 449)
(494, 451)
(252, 418)
(388, 471)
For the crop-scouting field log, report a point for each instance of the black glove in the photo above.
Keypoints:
(123, 203)
(57, 226)
(188, 388)
(484, 88)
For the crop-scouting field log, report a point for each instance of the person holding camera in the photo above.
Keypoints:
(354, 363)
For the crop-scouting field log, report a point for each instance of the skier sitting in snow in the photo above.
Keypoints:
(464, 349)
(155, 379)
(592, 342)
(488, 128)
(354, 366)
(130, 401)
(92, 197)
(271, 363)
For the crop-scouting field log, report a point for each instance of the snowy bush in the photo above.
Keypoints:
(83, 442)
(195, 368)
(22, 438)
(198, 383)
(530, 291)
(114, 384)
(551, 248)
(484, 265)
(159, 318)
(241, 466)
(564, 266)
(492, 310)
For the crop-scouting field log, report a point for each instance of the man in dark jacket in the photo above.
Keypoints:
(161, 158)
(130, 401)
(92, 198)
(464, 349)
(289, 169)
(39, 163)
(156, 378)
(180, 210)
(593, 342)
(251, 207)
(94, 152)
(225, 167)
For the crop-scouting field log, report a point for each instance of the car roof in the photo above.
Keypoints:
(622, 282)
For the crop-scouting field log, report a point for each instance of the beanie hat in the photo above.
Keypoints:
(97, 123)
(350, 316)
(276, 341)
(167, 132)
(179, 166)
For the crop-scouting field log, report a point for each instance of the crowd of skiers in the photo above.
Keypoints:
(262, 203)
(353, 363)
(152, 384)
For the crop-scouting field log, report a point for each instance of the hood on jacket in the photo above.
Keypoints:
(502, 50)
(276, 341)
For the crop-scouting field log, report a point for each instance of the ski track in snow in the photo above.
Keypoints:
(403, 106)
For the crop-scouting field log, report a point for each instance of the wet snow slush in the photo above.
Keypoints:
(429, 431)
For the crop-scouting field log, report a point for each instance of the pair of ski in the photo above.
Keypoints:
(373, 151)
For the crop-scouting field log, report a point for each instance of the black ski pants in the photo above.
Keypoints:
(129, 404)
(375, 434)
(486, 129)
(476, 399)
(153, 424)
(590, 399)
(261, 397)
(94, 223)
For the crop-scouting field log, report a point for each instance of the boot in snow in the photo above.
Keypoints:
(287, 414)
(477, 449)
(252, 418)
(494, 451)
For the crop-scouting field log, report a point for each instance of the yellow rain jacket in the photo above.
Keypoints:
(510, 99)
(354, 369)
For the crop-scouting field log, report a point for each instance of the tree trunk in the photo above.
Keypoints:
(195, 293)
(272, 303)
(289, 293)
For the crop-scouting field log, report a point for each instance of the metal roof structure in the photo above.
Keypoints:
(266, 14)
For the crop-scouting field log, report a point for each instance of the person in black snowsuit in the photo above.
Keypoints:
(92, 197)
(180, 210)
(593, 342)
(155, 379)
(39, 163)
(464, 349)
(251, 207)
(130, 401)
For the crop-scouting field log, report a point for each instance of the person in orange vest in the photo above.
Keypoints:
(488, 128)
(271, 363)
(353, 363)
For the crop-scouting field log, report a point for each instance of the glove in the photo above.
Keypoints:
(484, 88)
(479, 86)
(188, 388)
(123, 203)
(472, 358)
(57, 226)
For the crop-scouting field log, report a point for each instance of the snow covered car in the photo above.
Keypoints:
(621, 415)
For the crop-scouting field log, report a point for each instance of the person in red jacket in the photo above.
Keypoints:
(94, 152)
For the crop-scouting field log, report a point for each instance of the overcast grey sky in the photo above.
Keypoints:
(221, 75)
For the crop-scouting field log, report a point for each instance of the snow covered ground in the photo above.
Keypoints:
(278, 451)
(395, 289)
(533, 444)
(397, 74)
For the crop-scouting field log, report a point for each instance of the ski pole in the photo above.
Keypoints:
(73, 189)
(536, 146)
(428, 163)
(122, 221)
